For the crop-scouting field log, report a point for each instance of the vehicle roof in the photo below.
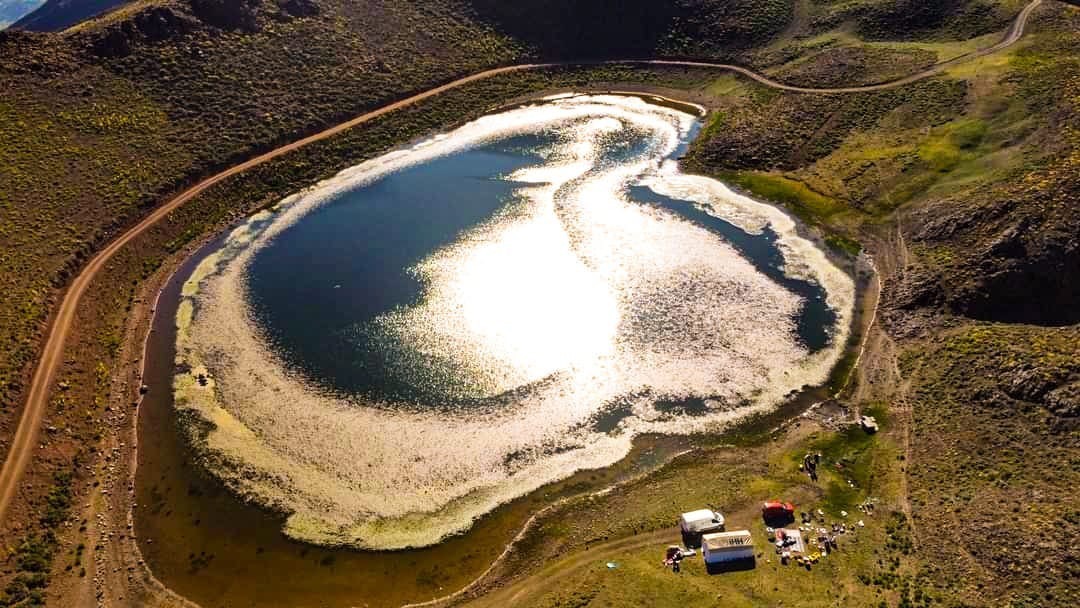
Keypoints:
(699, 515)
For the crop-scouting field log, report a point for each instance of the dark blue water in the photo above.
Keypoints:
(346, 263)
(815, 317)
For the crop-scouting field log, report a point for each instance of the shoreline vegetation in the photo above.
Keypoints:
(101, 384)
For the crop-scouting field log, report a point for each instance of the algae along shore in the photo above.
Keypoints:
(525, 327)
(469, 303)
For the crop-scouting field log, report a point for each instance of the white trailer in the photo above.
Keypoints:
(724, 547)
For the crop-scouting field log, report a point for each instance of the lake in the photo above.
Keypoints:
(395, 352)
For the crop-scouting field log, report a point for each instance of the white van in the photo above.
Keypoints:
(702, 521)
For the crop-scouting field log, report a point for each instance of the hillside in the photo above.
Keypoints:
(13, 10)
(976, 171)
(56, 15)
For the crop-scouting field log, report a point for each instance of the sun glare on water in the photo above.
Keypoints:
(571, 299)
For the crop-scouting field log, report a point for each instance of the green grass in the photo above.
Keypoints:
(952, 144)
(794, 195)
(855, 452)
(843, 244)
(863, 572)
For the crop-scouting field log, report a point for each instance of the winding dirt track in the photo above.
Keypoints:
(22, 446)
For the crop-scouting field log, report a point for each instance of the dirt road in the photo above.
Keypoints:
(1012, 36)
(24, 441)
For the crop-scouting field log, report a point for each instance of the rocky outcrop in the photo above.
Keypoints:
(113, 42)
(1041, 287)
(154, 25)
(240, 15)
(1033, 383)
(299, 8)
(159, 24)
(1014, 252)
(1055, 388)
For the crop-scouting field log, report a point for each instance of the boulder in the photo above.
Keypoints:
(1031, 384)
(159, 24)
(113, 42)
(228, 14)
(300, 8)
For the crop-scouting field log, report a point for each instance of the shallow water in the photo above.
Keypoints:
(393, 353)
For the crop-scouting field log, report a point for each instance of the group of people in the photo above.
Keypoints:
(810, 464)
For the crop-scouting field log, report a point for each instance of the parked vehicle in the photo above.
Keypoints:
(702, 521)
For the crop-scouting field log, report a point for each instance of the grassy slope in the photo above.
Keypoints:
(735, 481)
(994, 467)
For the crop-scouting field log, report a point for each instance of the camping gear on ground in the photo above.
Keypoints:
(790, 540)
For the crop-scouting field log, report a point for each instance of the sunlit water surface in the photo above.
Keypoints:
(396, 351)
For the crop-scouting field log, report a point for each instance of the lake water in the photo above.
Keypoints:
(399, 350)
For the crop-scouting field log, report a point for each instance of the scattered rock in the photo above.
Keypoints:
(1064, 401)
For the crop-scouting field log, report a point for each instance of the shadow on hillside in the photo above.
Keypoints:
(590, 29)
